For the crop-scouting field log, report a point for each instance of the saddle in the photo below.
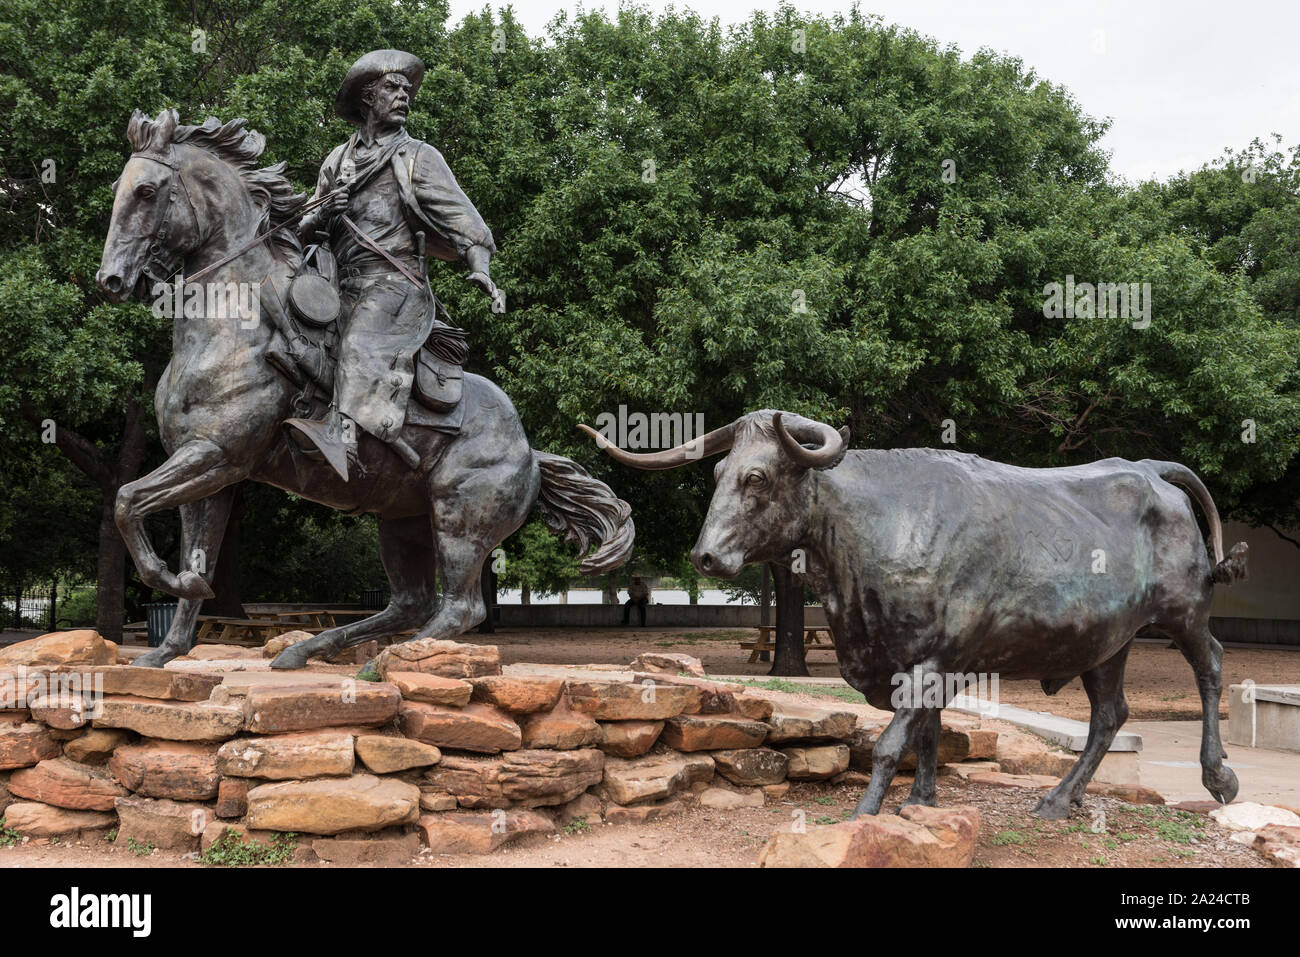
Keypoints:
(304, 349)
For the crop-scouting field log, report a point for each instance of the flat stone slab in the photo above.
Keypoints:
(171, 720)
(328, 806)
(479, 832)
(276, 710)
(281, 757)
(1064, 731)
(915, 837)
(183, 771)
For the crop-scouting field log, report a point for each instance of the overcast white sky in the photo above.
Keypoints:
(1181, 79)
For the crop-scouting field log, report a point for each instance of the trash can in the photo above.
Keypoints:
(374, 598)
(158, 618)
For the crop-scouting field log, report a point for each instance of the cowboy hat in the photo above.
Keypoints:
(372, 66)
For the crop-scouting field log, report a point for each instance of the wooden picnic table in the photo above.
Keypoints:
(241, 631)
(319, 618)
(811, 637)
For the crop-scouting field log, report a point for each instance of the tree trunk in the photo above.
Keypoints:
(110, 573)
(788, 659)
(525, 595)
(109, 476)
(611, 590)
(226, 602)
(488, 583)
(765, 606)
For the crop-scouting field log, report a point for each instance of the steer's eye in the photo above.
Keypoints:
(755, 480)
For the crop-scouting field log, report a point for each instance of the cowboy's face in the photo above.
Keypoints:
(390, 100)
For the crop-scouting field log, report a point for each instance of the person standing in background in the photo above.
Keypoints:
(638, 594)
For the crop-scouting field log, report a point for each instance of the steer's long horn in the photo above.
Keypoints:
(719, 440)
(831, 444)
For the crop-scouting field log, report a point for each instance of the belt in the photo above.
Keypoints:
(376, 268)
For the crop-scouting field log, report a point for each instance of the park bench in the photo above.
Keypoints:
(762, 644)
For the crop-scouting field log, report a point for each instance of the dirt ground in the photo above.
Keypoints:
(1106, 833)
(1159, 683)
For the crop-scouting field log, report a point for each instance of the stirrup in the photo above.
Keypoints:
(325, 439)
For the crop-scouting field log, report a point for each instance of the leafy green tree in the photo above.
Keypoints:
(537, 563)
(825, 214)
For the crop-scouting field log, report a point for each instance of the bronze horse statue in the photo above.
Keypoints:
(188, 198)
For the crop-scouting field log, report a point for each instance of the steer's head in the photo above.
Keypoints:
(760, 507)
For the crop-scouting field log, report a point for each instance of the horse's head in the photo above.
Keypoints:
(153, 224)
(183, 189)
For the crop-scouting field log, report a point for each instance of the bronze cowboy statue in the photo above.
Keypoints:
(390, 197)
(329, 336)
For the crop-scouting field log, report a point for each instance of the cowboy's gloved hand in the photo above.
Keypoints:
(336, 204)
(484, 282)
(478, 258)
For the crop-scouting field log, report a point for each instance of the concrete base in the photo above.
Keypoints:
(1120, 767)
(1171, 764)
(1064, 731)
(1271, 720)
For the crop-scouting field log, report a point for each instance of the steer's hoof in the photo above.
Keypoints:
(1222, 783)
(1053, 809)
(927, 801)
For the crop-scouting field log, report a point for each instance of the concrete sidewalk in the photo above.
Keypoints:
(1170, 763)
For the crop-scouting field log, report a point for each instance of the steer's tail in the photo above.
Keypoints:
(585, 511)
(1226, 571)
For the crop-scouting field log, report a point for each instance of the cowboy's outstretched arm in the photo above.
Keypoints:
(452, 214)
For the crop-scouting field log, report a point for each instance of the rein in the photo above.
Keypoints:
(306, 208)
(157, 247)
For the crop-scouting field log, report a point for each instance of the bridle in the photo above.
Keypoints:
(159, 269)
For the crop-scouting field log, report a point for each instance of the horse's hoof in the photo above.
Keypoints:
(1052, 810)
(295, 656)
(1221, 783)
(190, 584)
(154, 658)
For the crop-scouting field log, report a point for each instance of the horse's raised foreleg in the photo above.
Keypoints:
(194, 471)
(406, 548)
(203, 526)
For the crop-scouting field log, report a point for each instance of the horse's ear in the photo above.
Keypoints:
(136, 128)
(167, 122)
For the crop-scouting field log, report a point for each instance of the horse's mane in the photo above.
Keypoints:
(239, 146)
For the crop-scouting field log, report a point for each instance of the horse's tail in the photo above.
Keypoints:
(1234, 567)
(585, 511)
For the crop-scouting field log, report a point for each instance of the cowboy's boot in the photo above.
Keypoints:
(328, 435)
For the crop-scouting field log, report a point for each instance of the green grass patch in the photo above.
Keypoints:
(231, 850)
(838, 692)
(138, 849)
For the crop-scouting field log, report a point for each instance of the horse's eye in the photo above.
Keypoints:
(145, 191)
